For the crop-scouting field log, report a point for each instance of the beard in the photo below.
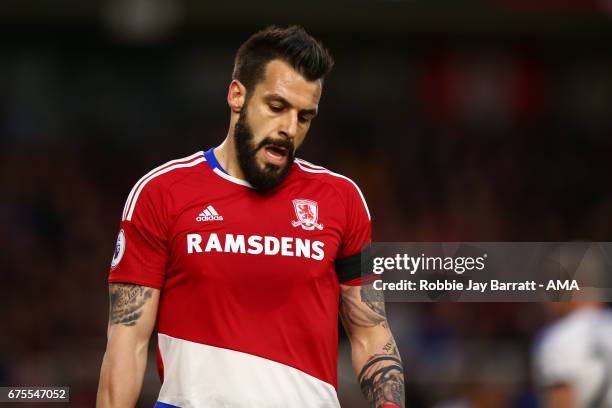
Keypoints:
(266, 178)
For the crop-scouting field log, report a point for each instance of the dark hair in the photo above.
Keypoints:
(292, 45)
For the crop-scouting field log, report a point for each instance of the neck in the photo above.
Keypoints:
(227, 156)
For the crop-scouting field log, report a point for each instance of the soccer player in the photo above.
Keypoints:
(573, 356)
(245, 255)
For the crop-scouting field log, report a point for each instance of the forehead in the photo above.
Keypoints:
(281, 79)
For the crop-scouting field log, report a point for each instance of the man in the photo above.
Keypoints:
(573, 356)
(245, 255)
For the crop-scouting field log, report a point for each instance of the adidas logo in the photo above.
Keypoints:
(209, 214)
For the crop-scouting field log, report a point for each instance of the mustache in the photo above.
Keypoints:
(276, 142)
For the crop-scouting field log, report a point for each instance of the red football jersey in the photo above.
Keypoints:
(249, 281)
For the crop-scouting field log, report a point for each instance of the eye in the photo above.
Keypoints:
(304, 118)
(276, 108)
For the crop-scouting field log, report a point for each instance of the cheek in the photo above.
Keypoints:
(261, 123)
(299, 139)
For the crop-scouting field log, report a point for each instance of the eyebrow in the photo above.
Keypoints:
(278, 98)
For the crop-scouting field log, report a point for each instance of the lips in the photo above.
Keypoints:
(275, 154)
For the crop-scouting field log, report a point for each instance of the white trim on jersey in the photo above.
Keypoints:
(202, 376)
(180, 163)
(232, 178)
(307, 163)
(311, 168)
(132, 192)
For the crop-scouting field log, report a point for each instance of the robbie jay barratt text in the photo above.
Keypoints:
(493, 285)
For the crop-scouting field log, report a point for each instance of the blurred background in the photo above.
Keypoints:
(471, 120)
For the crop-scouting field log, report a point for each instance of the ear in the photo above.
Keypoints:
(236, 96)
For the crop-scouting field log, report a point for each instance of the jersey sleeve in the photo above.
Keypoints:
(141, 251)
(356, 239)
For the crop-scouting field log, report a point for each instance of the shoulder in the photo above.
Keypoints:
(156, 182)
(313, 171)
(347, 188)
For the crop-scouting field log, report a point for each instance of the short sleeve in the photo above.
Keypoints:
(140, 253)
(356, 239)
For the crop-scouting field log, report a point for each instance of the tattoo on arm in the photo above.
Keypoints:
(382, 377)
(365, 308)
(373, 298)
(127, 302)
(391, 348)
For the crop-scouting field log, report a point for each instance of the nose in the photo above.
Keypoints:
(289, 124)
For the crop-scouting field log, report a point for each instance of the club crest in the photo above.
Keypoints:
(307, 213)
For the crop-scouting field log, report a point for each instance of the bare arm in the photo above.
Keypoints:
(132, 314)
(376, 360)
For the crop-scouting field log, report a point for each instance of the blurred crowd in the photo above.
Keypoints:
(450, 140)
